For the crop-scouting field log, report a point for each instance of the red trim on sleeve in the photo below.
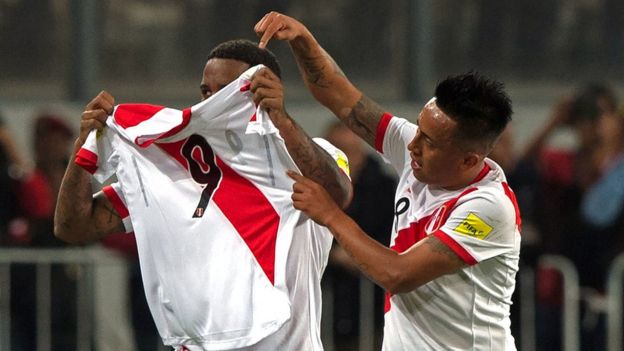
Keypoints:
(87, 160)
(456, 247)
(510, 194)
(381, 131)
(115, 200)
(130, 115)
(186, 118)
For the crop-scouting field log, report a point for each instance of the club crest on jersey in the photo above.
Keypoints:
(473, 226)
(436, 220)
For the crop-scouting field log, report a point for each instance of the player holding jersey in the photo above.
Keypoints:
(453, 257)
(198, 300)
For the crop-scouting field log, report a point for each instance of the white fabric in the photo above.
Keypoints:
(467, 310)
(205, 287)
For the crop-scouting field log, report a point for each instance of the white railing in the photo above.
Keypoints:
(92, 258)
(571, 293)
(615, 279)
(43, 259)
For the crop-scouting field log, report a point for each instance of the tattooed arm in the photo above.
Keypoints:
(395, 272)
(322, 76)
(80, 216)
(314, 162)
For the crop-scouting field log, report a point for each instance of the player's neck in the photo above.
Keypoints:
(471, 176)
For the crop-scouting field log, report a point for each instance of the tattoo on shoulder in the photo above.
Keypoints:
(438, 246)
(364, 118)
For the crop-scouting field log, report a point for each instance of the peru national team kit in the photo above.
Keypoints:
(226, 260)
(228, 263)
(469, 309)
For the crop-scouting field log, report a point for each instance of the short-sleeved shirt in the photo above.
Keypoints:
(226, 260)
(468, 309)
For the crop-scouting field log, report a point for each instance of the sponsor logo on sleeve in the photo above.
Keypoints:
(343, 163)
(473, 226)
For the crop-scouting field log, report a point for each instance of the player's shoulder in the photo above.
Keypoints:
(400, 122)
(494, 198)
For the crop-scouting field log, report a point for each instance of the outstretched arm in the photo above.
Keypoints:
(80, 216)
(312, 160)
(396, 272)
(322, 76)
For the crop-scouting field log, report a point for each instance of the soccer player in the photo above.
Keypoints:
(187, 313)
(453, 257)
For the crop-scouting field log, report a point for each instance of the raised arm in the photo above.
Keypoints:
(314, 162)
(395, 272)
(322, 76)
(81, 217)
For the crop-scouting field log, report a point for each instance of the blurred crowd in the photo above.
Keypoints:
(572, 202)
(28, 193)
(571, 199)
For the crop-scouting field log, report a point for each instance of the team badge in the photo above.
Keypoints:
(436, 220)
(473, 226)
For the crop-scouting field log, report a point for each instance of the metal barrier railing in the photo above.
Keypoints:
(43, 259)
(527, 308)
(367, 309)
(367, 315)
(571, 294)
(615, 279)
(90, 257)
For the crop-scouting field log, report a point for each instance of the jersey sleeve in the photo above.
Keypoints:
(482, 226)
(115, 195)
(391, 140)
(338, 155)
(96, 155)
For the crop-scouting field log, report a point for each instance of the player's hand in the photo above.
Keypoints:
(278, 26)
(312, 199)
(268, 93)
(95, 114)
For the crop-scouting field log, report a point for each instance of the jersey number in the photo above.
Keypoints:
(203, 168)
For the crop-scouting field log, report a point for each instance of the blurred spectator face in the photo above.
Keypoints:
(52, 140)
(611, 128)
(588, 106)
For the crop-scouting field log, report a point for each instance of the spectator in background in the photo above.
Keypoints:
(35, 200)
(372, 207)
(563, 176)
(602, 214)
(52, 141)
(11, 162)
(603, 202)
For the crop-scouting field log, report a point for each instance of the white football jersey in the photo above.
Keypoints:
(469, 309)
(226, 260)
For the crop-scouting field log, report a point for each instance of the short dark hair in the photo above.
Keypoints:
(246, 51)
(479, 105)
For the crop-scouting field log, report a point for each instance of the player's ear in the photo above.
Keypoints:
(470, 160)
